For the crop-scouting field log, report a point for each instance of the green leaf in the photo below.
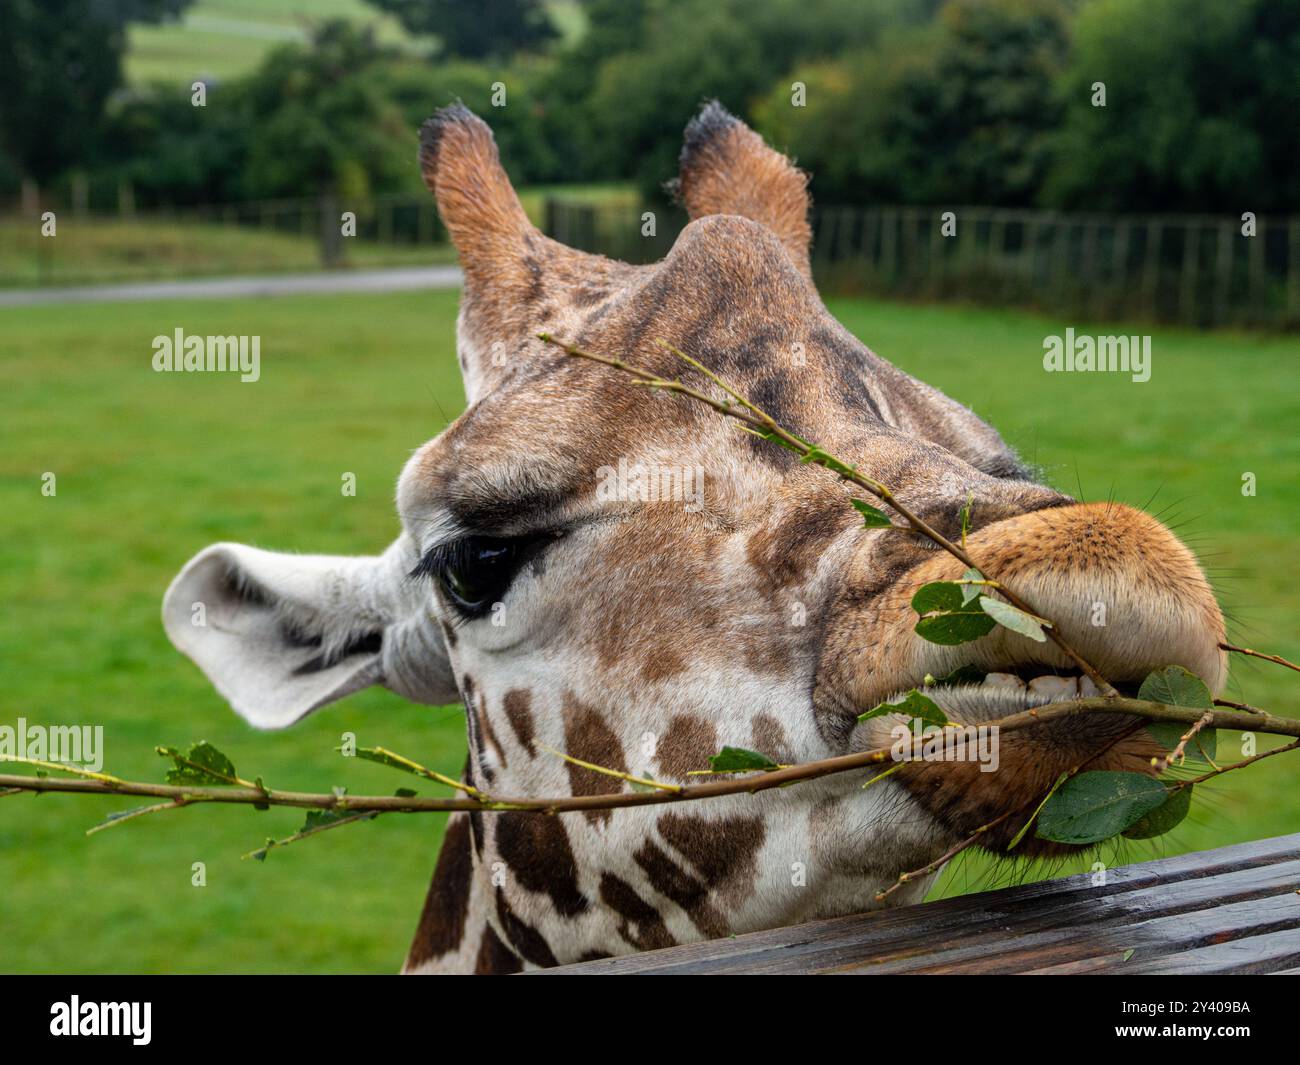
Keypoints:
(950, 618)
(1015, 619)
(1201, 748)
(735, 759)
(638, 786)
(201, 764)
(321, 818)
(370, 754)
(1127, 954)
(970, 591)
(872, 517)
(260, 854)
(913, 705)
(1175, 686)
(1169, 814)
(954, 627)
(960, 675)
(1096, 805)
(937, 595)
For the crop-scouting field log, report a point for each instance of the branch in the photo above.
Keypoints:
(1241, 720)
(1259, 654)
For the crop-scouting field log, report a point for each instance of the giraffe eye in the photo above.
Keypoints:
(477, 571)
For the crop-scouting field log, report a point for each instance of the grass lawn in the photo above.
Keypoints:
(152, 467)
(101, 251)
(227, 38)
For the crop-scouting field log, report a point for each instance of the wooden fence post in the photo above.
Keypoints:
(1191, 265)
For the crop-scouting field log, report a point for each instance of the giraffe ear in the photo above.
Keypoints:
(725, 168)
(462, 168)
(281, 635)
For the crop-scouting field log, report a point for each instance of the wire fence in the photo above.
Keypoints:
(1200, 271)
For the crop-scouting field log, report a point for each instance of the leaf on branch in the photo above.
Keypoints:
(1176, 686)
(316, 821)
(913, 705)
(937, 596)
(1169, 814)
(383, 757)
(1015, 840)
(739, 760)
(872, 517)
(1096, 805)
(960, 675)
(202, 764)
(639, 785)
(949, 617)
(1015, 619)
(970, 591)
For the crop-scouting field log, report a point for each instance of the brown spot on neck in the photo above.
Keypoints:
(723, 851)
(691, 894)
(536, 848)
(641, 925)
(494, 957)
(686, 745)
(518, 707)
(530, 943)
(442, 921)
(769, 739)
(588, 738)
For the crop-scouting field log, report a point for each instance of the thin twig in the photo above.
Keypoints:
(953, 851)
(130, 815)
(1220, 770)
(1178, 753)
(261, 852)
(645, 782)
(1260, 654)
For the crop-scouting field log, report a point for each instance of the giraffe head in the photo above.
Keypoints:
(627, 577)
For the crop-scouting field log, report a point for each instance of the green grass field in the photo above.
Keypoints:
(95, 250)
(151, 467)
(226, 38)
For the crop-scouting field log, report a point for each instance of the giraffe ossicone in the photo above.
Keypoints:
(642, 629)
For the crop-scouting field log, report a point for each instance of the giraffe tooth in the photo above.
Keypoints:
(1003, 680)
(1054, 687)
(1088, 688)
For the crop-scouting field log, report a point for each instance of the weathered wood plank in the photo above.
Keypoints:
(1235, 909)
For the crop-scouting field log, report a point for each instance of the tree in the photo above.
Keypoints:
(648, 76)
(494, 29)
(320, 123)
(1201, 105)
(63, 58)
(961, 111)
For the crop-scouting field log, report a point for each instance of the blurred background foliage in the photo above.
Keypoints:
(907, 101)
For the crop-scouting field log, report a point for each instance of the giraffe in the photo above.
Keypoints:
(641, 631)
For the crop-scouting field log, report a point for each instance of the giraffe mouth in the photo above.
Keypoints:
(1009, 689)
